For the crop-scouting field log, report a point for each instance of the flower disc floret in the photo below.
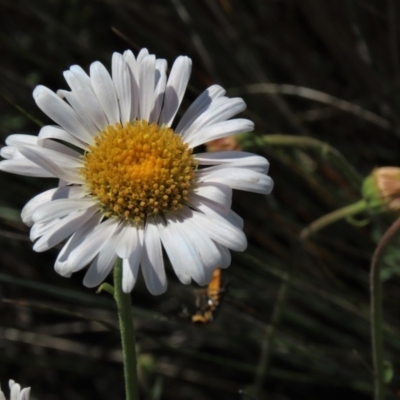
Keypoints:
(139, 169)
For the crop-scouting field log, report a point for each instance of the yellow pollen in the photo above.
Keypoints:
(139, 169)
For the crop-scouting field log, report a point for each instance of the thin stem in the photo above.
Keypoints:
(124, 306)
(376, 311)
(23, 111)
(332, 217)
(269, 342)
(326, 150)
(376, 333)
(315, 95)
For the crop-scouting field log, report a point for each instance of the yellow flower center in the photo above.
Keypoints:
(139, 169)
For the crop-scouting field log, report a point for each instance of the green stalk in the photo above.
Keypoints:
(376, 332)
(124, 306)
(376, 312)
(332, 217)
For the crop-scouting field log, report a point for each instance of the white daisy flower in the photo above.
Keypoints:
(15, 392)
(130, 183)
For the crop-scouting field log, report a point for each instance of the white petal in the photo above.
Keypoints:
(206, 250)
(221, 194)
(220, 231)
(224, 157)
(64, 156)
(161, 81)
(220, 109)
(233, 159)
(152, 260)
(129, 275)
(218, 131)
(191, 252)
(77, 69)
(18, 162)
(92, 245)
(7, 152)
(102, 264)
(68, 158)
(239, 178)
(25, 167)
(197, 202)
(63, 149)
(59, 111)
(142, 55)
(130, 266)
(105, 91)
(39, 229)
(180, 254)
(147, 83)
(15, 390)
(40, 156)
(64, 228)
(199, 106)
(226, 257)
(80, 109)
(60, 208)
(13, 153)
(122, 83)
(56, 132)
(25, 394)
(18, 139)
(134, 78)
(127, 241)
(175, 90)
(161, 68)
(235, 219)
(69, 192)
(81, 86)
(62, 264)
(213, 210)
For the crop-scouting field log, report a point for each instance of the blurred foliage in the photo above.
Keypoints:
(58, 337)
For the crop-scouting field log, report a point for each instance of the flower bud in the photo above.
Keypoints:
(381, 189)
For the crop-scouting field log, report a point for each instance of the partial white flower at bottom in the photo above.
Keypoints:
(15, 392)
(129, 183)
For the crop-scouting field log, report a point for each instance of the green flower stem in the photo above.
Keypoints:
(376, 312)
(124, 306)
(326, 150)
(376, 332)
(332, 217)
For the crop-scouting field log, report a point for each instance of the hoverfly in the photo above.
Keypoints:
(208, 299)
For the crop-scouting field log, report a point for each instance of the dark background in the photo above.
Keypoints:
(50, 335)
